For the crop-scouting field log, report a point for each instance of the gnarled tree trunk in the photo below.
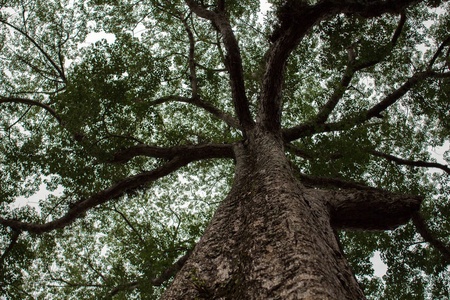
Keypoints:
(272, 238)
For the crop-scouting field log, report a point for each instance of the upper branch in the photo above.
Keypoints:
(438, 52)
(47, 56)
(326, 110)
(230, 120)
(233, 59)
(309, 128)
(296, 18)
(354, 65)
(414, 163)
(192, 65)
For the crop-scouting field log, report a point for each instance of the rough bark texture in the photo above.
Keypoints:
(270, 238)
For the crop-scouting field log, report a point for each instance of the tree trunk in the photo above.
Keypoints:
(271, 238)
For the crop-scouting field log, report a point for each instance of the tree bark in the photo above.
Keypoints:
(270, 238)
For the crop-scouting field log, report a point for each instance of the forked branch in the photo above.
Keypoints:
(354, 66)
(295, 19)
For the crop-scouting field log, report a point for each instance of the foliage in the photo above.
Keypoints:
(135, 90)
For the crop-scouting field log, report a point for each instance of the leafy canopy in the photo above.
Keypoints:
(71, 109)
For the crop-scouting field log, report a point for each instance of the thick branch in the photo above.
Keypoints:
(353, 67)
(371, 209)
(383, 52)
(424, 231)
(230, 120)
(414, 163)
(179, 157)
(396, 95)
(124, 287)
(310, 127)
(172, 270)
(326, 110)
(296, 18)
(438, 52)
(113, 192)
(192, 152)
(233, 60)
(33, 103)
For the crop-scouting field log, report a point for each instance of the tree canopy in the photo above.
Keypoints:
(134, 134)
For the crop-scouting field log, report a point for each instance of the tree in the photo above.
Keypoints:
(283, 143)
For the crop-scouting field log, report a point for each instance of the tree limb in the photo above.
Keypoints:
(353, 67)
(227, 118)
(438, 52)
(130, 224)
(115, 191)
(233, 59)
(191, 60)
(390, 99)
(309, 128)
(371, 209)
(425, 232)
(414, 163)
(193, 152)
(77, 136)
(383, 51)
(33, 103)
(326, 110)
(178, 157)
(296, 18)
